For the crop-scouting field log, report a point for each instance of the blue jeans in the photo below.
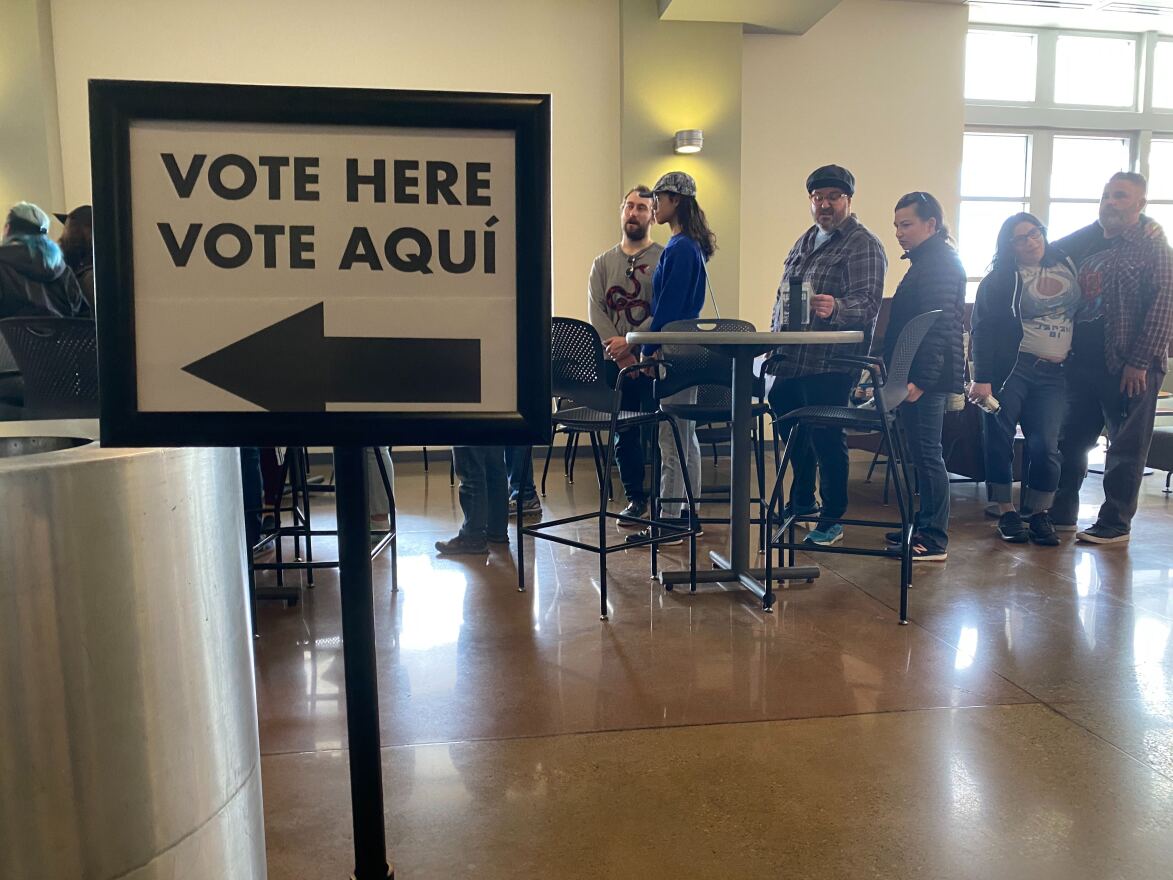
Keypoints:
(521, 472)
(922, 422)
(484, 494)
(1034, 395)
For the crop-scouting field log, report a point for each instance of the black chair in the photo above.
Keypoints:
(578, 374)
(891, 390)
(712, 374)
(58, 359)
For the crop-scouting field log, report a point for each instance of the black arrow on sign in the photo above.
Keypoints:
(292, 366)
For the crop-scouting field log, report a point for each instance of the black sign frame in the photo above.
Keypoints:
(116, 104)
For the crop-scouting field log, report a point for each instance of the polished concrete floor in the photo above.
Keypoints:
(1020, 727)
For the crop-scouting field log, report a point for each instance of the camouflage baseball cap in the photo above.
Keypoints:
(676, 182)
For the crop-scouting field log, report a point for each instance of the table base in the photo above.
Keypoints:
(750, 578)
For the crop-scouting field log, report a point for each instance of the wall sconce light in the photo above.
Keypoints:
(689, 140)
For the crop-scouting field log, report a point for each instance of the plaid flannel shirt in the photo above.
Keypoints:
(849, 266)
(1135, 279)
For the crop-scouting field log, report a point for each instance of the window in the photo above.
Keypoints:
(1160, 206)
(1000, 66)
(1162, 75)
(995, 171)
(1080, 166)
(1095, 71)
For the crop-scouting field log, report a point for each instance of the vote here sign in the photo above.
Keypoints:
(334, 265)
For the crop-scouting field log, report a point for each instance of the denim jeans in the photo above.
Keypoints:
(922, 422)
(378, 503)
(826, 446)
(1093, 401)
(1035, 395)
(521, 472)
(636, 396)
(484, 492)
(671, 476)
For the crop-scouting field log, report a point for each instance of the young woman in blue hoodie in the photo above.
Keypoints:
(1022, 325)
(678, 293)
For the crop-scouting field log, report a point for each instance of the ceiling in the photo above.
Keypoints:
(798, 16)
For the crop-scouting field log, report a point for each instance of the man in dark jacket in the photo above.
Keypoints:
(1119, 357)
(34, 279)
(77, 246)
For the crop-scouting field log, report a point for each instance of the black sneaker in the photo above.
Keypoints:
(1098, 534)
(1042, 530)
(673, 522)
(1012, 529)
(462, 546)
(531, 509)
(922, 552)
(636, 508)
(896, 537)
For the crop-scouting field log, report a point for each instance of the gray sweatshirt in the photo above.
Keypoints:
(618, 304)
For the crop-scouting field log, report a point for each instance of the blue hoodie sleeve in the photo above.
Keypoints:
(678, 286)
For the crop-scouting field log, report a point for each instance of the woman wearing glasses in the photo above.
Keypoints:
(678, 293)
(1022, 322)
(935, 280)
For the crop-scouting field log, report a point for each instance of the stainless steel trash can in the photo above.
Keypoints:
(128, 726)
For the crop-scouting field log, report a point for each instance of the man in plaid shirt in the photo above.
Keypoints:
(1119, 356)
(845, 264)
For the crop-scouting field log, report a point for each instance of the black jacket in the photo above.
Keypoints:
(935, 280)
(997, 321)
(29, 287)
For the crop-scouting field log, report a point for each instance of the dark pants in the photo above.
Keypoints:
(1034, 395)
(521, 472)
(922, 422)
(636, 396)
(1093, 401)
(827, 446)
(484, 493)
(252, 489)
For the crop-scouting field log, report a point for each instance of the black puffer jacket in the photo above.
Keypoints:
(935, 280)
(29, 287)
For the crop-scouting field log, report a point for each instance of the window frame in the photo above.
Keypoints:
(1044, 119)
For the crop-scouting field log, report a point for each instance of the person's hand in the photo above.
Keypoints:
(979, 391)
(914, 393)
(625, 361)
(615, 347)
(1154, 231)
(823, 305)
(1133, 381)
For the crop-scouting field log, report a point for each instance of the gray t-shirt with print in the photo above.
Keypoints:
(1050, 296)
(618, 304)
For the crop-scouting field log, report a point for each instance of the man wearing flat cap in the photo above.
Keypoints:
(845, 264)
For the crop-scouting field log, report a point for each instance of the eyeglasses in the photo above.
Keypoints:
(630, 273)
(831, 198)
(1034, 235)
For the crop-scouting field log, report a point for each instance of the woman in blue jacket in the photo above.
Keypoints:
(935, 280)
(1022, 324)
(678, 293)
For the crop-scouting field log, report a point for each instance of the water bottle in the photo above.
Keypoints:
(988, 404)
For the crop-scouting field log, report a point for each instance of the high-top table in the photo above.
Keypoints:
(741, 349)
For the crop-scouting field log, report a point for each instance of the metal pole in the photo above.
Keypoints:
(358, 652)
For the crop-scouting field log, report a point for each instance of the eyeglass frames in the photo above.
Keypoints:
(1034, 235)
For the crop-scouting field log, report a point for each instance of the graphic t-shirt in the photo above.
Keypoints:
(1050, 298)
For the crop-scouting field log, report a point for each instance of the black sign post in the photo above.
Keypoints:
(286, 266)
(358, 654)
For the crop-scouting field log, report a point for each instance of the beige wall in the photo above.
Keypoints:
(876, 87)
(30, 161)
(569, 49)
(686, 75)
